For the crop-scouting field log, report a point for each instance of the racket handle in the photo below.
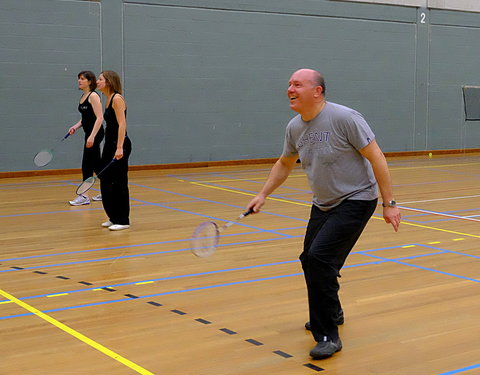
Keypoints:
(246, 213)
(108, 165)
(66, 136)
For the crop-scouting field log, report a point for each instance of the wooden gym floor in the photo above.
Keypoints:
(77, 299)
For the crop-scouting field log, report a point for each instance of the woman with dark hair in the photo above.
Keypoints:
(114, 181)
(90, 107)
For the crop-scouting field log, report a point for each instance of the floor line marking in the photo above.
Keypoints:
(379, 260)
(438, 213)
(76, 334)
(361, 252)
(249, 194)
(308, 205)
(397, 261)
(458, 371)
(437, 229)
(442, 199)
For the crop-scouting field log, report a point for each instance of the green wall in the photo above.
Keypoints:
(205, 80)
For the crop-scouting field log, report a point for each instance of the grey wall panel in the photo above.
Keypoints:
(325, 8)
(449, 18)
(415, 3)
(43, 45)
(465, 5)
(205, 79)
(208, 84)
(455, 62)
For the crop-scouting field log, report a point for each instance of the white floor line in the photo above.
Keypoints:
(442, 199)
(438, 213)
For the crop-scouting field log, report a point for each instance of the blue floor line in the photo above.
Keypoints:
(460, 370)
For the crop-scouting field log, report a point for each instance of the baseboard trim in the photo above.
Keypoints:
(220, 163)
(433, 152)
(49, 172)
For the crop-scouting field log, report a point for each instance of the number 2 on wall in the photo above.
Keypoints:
(423, 16)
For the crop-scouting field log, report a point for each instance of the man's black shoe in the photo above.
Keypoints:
(339, 321)
(326, 348)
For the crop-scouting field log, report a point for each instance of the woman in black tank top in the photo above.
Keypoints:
(90, 107)
(114, 181)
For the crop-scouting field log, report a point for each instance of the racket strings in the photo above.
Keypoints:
(43, 158)
(205, 239)
(85, 185)
(90, 181)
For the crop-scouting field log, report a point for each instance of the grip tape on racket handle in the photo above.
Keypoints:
(250, 210)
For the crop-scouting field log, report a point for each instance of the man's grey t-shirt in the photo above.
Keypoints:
(328, 150)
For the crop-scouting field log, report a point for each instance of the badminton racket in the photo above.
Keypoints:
(43, 157)
(89, 182)
(205, 238)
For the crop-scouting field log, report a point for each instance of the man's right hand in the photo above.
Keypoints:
(256, 203)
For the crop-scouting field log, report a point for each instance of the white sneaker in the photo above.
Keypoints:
(118, 227)
(107, 224)
(80, 200)
(97, 197)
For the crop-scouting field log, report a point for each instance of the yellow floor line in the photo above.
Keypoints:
(76, 334)
(391, 168)
(308, 205)
(249, 194)
(433, 228)
(217, 181)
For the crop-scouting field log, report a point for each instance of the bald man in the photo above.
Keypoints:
(344, 166)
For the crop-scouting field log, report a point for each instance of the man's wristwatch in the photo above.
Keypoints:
(390, 204)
